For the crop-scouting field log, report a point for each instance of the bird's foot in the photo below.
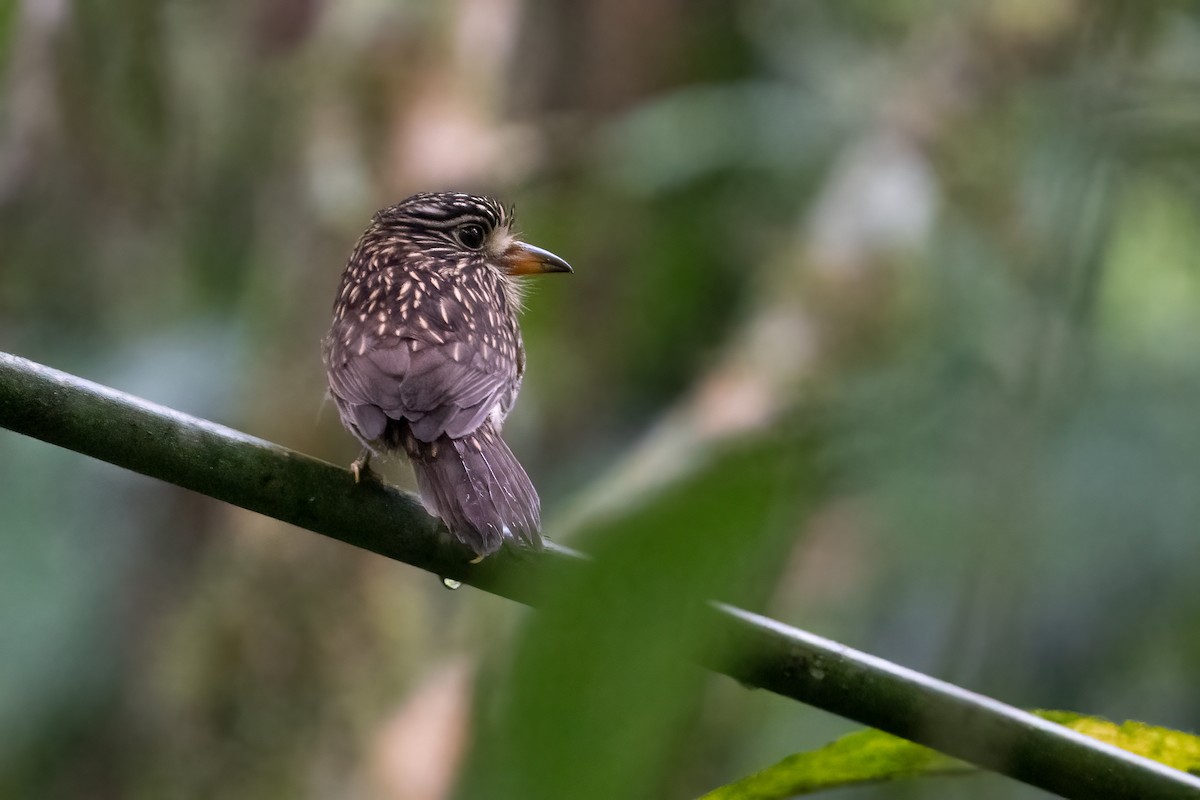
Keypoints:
(360, 468)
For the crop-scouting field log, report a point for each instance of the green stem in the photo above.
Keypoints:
(229, 465)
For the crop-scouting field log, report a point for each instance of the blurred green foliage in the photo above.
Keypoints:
(953, 242)
(605, 647)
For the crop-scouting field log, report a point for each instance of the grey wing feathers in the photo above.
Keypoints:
(363, 386)
(437, 394)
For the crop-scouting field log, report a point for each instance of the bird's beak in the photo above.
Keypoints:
(525, 259)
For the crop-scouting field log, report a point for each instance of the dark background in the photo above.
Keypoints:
(885, 320)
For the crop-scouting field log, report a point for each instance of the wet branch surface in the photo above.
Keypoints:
(226, 464)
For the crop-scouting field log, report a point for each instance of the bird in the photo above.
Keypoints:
(424, 356)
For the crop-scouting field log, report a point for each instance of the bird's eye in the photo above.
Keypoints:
(471, 236)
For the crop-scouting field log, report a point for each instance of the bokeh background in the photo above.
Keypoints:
(885, 320)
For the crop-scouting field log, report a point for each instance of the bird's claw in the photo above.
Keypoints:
(360, 468)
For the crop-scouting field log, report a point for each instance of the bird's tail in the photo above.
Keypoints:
(479, 489)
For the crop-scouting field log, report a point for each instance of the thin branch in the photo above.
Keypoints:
(223, 463)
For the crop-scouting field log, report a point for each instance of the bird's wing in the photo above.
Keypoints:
(439, 375)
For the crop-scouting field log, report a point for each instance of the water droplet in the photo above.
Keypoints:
(451, 584)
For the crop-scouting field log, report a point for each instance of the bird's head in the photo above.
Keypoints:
(456, 232)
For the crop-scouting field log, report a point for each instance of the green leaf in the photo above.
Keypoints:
(867, 756)
(1173, 748)
(872, 756)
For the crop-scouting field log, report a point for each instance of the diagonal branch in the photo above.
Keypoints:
(223, 463)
